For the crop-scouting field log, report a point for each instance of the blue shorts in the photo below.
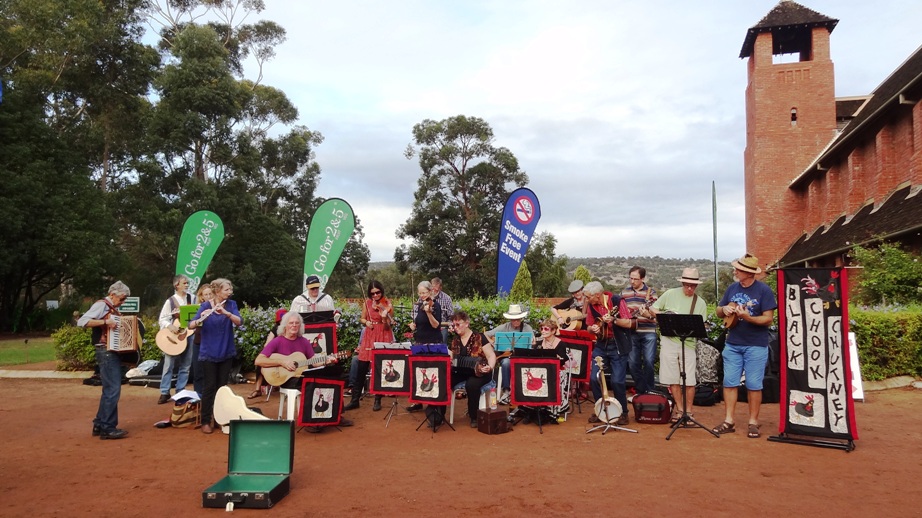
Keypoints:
(750, 359)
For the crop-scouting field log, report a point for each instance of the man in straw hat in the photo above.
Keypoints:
(750, 306)
(680, 300)
(516, 324)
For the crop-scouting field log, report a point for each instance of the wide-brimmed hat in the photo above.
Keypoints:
(747, 263)
(690, 276)
(515, 312)
(575, 286)
(312, 281)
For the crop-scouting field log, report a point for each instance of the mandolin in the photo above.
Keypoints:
(606, 408)
(278, 375)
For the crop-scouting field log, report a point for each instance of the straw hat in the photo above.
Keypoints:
(690, 276)
(747, 263)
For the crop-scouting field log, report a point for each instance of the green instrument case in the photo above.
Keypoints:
(259, 461)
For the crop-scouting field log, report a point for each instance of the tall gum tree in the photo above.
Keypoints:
(458, 203)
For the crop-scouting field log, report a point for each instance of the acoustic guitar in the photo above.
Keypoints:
(278, 375)
(573, 319)
(173, 343)
(606, 408)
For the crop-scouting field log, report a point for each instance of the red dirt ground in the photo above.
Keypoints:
(52, 466)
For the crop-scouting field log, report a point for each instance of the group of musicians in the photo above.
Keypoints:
(619, 324)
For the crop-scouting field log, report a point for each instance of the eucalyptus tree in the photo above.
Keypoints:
(458, 203)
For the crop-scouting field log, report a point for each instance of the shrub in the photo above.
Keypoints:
(889, 341)
(73, 348)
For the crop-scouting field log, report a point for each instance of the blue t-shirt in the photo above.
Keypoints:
(217, 333)
(757, 298)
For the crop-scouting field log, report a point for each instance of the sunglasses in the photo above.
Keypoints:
(375, 292)
(546, 328)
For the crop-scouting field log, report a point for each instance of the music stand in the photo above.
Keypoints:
(683, 327)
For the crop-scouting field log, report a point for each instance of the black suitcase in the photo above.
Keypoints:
(259, 461)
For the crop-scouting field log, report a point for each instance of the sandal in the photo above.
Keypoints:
(255, 394)
(724, 427)
(753, 431)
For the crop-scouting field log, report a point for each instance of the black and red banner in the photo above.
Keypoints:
(816, 395)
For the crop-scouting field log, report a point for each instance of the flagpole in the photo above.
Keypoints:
(714, 218)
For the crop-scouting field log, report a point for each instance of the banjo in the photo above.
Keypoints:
(607, 408)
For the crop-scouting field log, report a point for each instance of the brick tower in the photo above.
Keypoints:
(790, 118)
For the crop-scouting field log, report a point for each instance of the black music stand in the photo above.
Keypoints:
(683, 326)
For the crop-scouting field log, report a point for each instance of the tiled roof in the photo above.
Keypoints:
(900, 214)
(786, 14)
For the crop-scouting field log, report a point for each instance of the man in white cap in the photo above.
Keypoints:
(682, 300)
(312, 300)
(570, 313)
(516, 324)
(750, 304)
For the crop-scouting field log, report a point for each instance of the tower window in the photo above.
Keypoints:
(793, 116)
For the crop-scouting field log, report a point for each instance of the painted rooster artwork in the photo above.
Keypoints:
(804, 409)
(428, 382)
(533, 383)
(829, 292)
(390, 373)
(322, 404)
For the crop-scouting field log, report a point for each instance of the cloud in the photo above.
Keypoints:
(622, 113)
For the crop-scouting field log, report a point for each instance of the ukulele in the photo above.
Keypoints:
(730, 320)
(278, 375)
(606, 408)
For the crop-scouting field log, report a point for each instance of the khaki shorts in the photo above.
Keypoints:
(670, 359)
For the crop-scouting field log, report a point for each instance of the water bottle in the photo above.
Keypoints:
(492, 399)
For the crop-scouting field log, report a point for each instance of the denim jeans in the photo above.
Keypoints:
(616, 364)
(642, 357)
(505, 369)
(110, 372)
(182, 363)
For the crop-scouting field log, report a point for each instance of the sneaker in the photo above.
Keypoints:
(504, 398)
(623, 420)
(163, 399)
(114, 433)
(415, 408)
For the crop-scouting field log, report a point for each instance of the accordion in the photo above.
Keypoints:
(125, 336)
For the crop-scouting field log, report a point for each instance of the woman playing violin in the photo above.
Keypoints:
(426, 311)
(377, 317)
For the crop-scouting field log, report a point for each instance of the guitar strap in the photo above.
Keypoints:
(694, 303)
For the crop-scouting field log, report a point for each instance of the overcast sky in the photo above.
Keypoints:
(621, 112)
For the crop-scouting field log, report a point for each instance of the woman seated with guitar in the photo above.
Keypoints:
(473, 361)
(287, 349)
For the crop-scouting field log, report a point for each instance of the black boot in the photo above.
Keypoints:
(377, 405)
(354, 403)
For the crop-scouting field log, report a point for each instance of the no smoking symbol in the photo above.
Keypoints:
(524, 211)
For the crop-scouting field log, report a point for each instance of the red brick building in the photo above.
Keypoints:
(823, 174)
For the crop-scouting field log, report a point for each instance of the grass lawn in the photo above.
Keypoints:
(15, 351)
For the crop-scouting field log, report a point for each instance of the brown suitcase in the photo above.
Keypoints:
(492, 421)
